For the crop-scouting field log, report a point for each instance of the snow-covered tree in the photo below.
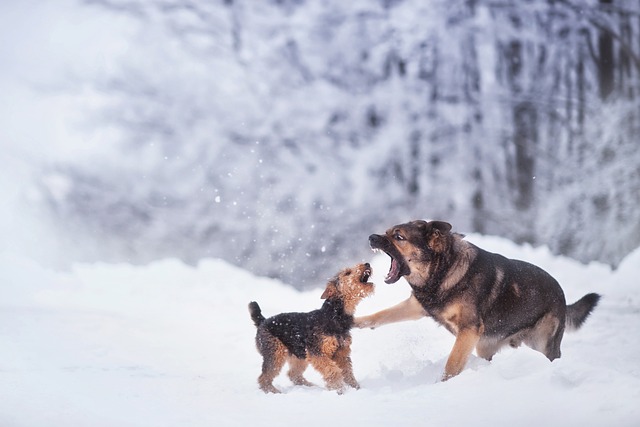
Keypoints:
(279, 134)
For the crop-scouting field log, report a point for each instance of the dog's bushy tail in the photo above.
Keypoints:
(578, 312)
(256, 313)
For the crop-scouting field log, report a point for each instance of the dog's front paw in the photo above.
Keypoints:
(447, 376)
(363, 322)
(352, 382)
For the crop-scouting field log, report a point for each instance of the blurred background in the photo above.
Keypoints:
(279, 134)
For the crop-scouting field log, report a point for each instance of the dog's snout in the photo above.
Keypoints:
(367, 265)
(377, 241)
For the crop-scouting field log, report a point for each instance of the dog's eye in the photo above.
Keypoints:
(398, 236)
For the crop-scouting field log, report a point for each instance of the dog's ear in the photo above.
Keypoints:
(423, 227)
(331, 290)
(441, 226)
(438, 238)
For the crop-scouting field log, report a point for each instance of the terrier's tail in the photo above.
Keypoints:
(256, 313)
(578, 312)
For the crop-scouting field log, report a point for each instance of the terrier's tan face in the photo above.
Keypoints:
(354, 282)
(351, 285)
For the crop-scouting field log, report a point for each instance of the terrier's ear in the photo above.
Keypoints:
(331, 290)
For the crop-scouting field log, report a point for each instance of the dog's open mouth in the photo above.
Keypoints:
(398, 267)
(395, 271)
(365, 275)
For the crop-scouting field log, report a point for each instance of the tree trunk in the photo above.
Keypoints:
(606, 59)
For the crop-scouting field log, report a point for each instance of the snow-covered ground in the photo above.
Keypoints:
(167, 344)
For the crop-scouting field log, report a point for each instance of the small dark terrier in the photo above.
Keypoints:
(320, 338)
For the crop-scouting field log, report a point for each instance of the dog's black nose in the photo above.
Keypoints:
(375, 240)
(367, 265)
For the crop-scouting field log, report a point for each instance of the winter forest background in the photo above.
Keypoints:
(278, 134)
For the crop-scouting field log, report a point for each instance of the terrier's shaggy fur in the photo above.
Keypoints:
(320, 338)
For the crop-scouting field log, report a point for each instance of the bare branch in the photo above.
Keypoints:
(594, 20)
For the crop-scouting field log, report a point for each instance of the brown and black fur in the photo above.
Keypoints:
(320, 338)
(486, 300)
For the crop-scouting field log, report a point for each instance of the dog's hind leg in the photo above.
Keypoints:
(546, 336)
(271, 366)
(297, 367)
(274, 356)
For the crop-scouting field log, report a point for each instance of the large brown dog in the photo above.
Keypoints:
(486, 300)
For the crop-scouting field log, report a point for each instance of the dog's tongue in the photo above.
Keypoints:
(394, 271)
